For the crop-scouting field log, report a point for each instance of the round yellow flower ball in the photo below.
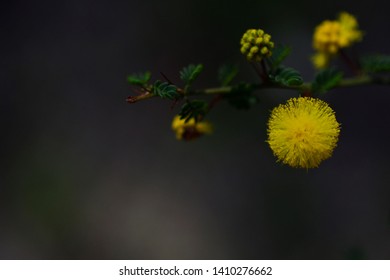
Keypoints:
(303, 132)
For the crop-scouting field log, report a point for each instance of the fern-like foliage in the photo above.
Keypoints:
(226, 74)
(326, 80)
(193, 109)
(165, 90)
(286, 76)
(279, 54)
(140, 79)
(375, 63)
(190, 73)
(242, 97)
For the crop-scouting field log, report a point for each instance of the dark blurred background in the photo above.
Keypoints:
(84, 175)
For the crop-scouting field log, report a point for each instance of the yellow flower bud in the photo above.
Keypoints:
(264, 50)
(256, 45)
(254, 50)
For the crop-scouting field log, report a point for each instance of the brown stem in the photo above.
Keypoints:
(133, 99)
(259, 72)
(352, 65)
(265, 71)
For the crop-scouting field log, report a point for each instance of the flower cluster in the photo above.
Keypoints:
(256, 44)
(303, 132)
(191, 129)
(332, 35)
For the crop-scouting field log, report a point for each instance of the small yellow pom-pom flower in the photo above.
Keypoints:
(256, 44)
(191, 129)
(303, 132)
(327, 37)
(332, 35)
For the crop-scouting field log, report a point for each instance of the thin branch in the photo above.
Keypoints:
(348, 82)
(133, 99)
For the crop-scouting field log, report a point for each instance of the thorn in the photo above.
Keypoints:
(166, 78)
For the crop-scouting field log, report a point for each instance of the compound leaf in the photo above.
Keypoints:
(326, 80)
(278, 55)
(376, 63)
(165, 90)
(190, 73)
(242, 97)
(226, 74)
(286, 76)
(193, 109)
(139, 79)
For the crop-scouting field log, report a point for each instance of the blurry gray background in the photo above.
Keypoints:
(84, 175)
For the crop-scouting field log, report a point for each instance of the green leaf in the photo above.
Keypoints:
(278, 55)
(286, 76)
(193, 109)
(139, 79)
(226, 74)
(376, 63)
(190, 73)
(326, 80)
(165, 90)
(242, 97)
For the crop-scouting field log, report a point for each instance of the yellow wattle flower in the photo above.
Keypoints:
(191, 129)
(332, 35)
(303, 132)
(327, 37)
(349, 29)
